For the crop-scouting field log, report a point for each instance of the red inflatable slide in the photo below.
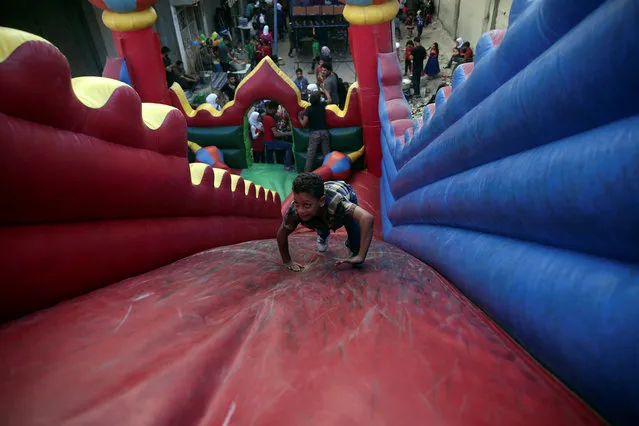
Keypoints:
(137, 289)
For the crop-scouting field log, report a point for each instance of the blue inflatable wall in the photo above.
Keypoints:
(523, 190)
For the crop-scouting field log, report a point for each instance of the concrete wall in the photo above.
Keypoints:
(101, 35)
(475, 17)
(165, 28)
(500, 18)
(446, 14)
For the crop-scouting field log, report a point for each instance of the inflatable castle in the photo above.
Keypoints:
(141, 282)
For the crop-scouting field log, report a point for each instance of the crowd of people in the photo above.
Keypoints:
(270, 130)
(418, 60)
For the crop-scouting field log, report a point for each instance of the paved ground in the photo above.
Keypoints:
(343, 65)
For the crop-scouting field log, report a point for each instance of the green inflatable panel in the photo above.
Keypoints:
(228, 139)
(346, 140)
(271, 176)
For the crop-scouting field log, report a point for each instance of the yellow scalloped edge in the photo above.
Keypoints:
(341, 113)
(95, 92)
(197, 174)
(154, 115)
(11, 39)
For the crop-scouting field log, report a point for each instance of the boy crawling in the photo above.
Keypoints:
(322, 207)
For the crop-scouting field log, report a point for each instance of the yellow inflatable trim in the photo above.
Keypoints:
(193, 147)
(155, 114)
(234, 180)
(341, 113)
(266, 62)
(95, 92)
(131, 21)
(371, 15)
(197, 174)
(218, 174)
(354, 156)
(11, 39)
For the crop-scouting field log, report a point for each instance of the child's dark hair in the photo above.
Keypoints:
(315, 98)
(309, 183)
(410, 43)
(272, 105)
(299, 70)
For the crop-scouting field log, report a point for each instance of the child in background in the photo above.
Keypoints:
(410, 25)
(301, 82)
(257, 137)
(316, 55)
(407, 54)
(212, 100)
(264, 49)
(322, 207)
(315, 117)
(419, 19)
(250, 50)
(318, 73)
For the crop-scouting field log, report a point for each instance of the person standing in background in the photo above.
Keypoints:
(420, 23)
(432, 64)
(330, 84)
(417, 56)
(316, 54)
(318, 135)
(408, 52)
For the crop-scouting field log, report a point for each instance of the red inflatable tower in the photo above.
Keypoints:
(132, 22)
(370, 34)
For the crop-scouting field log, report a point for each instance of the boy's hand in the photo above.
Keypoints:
(355, 260)
(294, 266)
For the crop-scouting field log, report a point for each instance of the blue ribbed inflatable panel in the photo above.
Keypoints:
(522, 188)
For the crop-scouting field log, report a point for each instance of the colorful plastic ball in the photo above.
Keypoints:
(215, 153)
(339, 164)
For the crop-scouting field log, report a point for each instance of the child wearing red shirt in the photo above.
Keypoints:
(407, 61)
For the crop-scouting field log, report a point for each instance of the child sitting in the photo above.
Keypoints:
(322, 207)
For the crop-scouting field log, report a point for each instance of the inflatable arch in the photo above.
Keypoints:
(226, 129)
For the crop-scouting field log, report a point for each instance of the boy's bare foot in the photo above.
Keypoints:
(294, 266)
(355, 261)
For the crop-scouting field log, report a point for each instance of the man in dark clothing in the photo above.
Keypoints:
(229, 88)
(224, 54)
(417, 56)
(318, 136)
(168, 66)
(330, 84)
(185, 80)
